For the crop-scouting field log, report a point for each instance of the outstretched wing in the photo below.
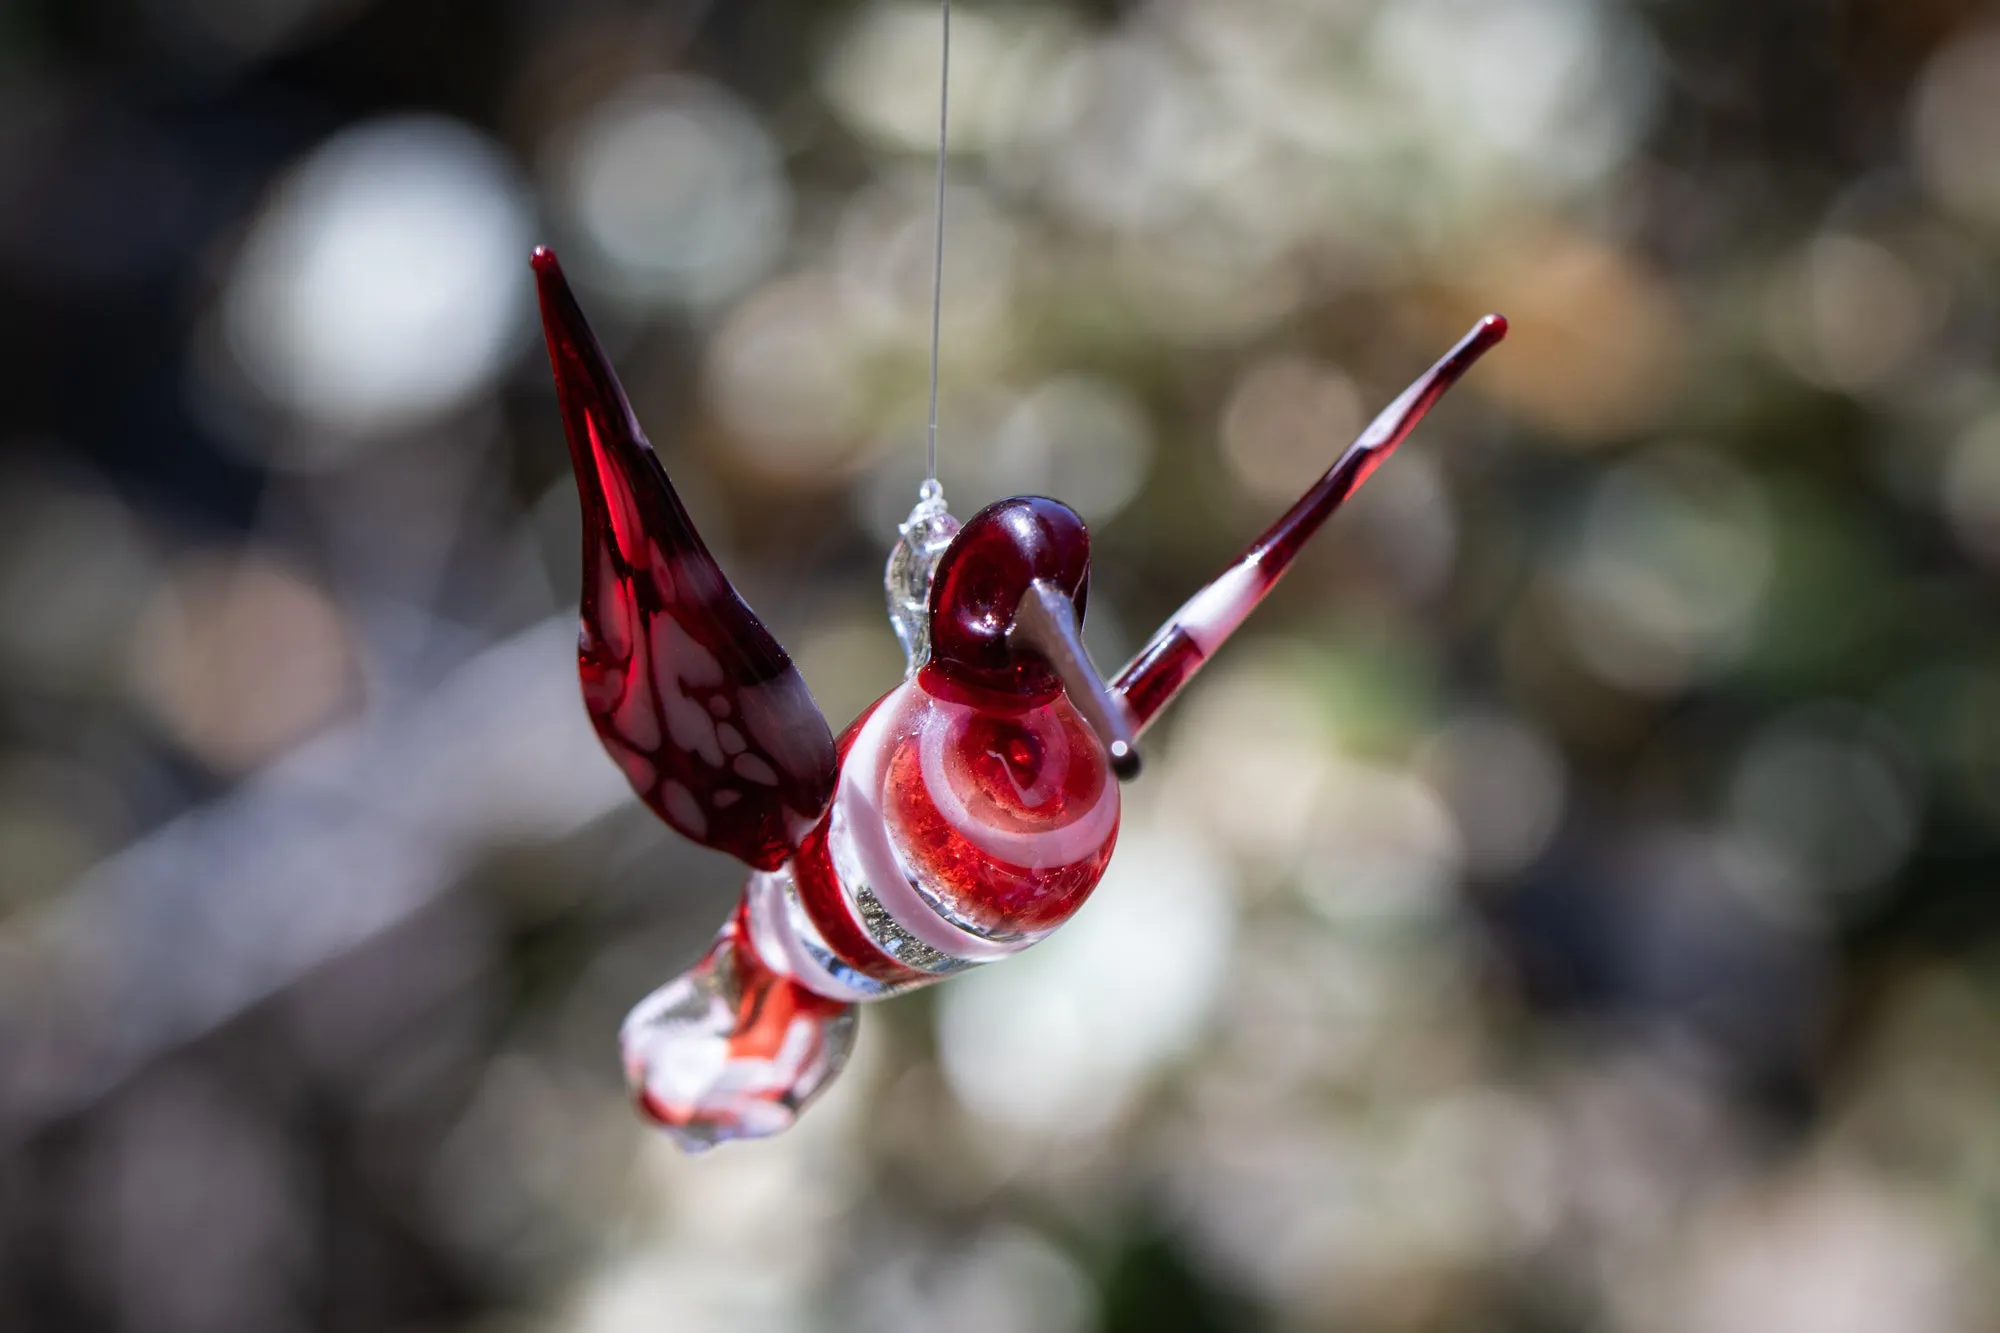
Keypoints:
(1188, 640)
(689, 692)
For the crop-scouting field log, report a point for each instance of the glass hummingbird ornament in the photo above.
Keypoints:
(962, 818)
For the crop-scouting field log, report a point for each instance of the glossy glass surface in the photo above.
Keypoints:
(921, 542)
(694, 699)
(1005, 822)
(732, 1049)
(982, 578)
(958, 836)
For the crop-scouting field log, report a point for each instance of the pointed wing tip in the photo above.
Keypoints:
(574, 354)
(1486, 335)
(558, 302)
(552, 287)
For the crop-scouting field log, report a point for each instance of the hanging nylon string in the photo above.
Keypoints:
(937, 272)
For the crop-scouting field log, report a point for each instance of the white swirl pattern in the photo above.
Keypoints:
(889, 905)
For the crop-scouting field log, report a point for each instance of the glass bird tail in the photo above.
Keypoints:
(732, 1048)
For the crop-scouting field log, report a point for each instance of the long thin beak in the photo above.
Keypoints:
(1046, 624)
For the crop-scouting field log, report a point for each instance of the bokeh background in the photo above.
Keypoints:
(1570, 905)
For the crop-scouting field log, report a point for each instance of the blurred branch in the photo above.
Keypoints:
(322, 853)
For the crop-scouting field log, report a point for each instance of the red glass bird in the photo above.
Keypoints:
(963, 817)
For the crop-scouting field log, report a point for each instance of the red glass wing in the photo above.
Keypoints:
(1186, 642)
(689, 692)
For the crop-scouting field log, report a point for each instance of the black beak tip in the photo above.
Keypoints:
(1124, 761)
